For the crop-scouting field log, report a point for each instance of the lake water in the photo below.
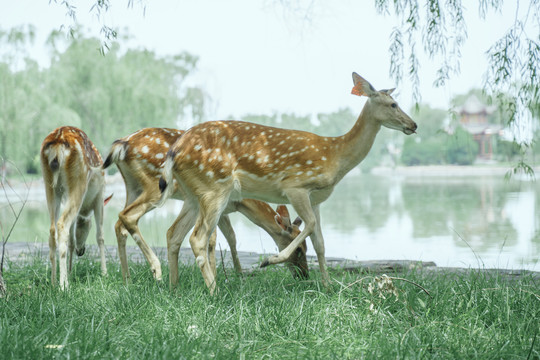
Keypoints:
(452, 220)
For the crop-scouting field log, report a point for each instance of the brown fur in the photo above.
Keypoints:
(140, 157)
(72, 176)
(221, 160)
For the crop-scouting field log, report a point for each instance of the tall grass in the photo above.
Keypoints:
(266, 315)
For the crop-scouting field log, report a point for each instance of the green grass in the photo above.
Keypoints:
(266, 315)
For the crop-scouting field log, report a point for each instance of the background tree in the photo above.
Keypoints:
(439, 29)
(106, 96)
(427, 148)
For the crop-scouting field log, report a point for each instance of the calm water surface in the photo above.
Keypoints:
(454, 221)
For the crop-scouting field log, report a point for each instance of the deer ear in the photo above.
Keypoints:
(279, 221)
(107, 199)
(362, 86)
(283, 211)
(388, 91)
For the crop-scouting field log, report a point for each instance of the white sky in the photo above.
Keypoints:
(255, 57)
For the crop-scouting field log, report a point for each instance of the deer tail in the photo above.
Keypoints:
(117, 153)
(55, 155)
(165, 181)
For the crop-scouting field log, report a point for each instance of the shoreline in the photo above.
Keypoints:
(450, 171)
(19, 252)
(17, 189)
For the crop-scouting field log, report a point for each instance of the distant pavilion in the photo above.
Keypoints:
(474, 119)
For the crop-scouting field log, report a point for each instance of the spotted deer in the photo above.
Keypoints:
(139, 158)
(72, 174)
(217, 161)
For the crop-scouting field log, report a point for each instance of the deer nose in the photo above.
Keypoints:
(80, 252)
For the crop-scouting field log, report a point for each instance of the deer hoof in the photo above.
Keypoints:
(80, 252)
(265, 263)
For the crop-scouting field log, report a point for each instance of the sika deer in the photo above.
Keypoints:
(140, 157)
(217, 161)
(72, 175)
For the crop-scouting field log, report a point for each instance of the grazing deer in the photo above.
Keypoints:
(72, 175)
(140, 157)
(221, 160)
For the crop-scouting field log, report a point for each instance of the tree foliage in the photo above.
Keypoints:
(513, 73)
(107, 96)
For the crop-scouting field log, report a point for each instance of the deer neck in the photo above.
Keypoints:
(355, 145)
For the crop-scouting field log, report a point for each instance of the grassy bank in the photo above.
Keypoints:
(267, 315)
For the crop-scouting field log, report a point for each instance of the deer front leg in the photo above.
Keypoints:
(71, 246)
(225, 226)
(52, 250)
(212, 252)
(53, 204)
(318, 244)
(299, 199)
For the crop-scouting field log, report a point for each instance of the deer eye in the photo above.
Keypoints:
(394, 105)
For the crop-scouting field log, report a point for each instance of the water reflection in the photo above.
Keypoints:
(454, 221)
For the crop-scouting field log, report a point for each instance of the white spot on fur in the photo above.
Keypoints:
(309, 162)
(201, 167)
(158, 141)
(197, 147)
(210, 174)
(145, 149)
(159, 156)
(323, 158)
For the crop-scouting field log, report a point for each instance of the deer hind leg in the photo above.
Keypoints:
(175, 236)
(76, 188)
(53, 204)
(211, 208)
(130, 218)
(225, 226)
(64, 228)
(121, 238)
